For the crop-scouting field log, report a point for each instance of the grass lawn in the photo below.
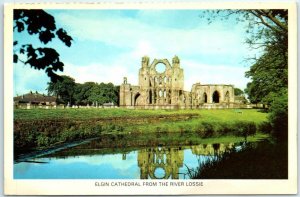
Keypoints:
(45, 127)
(223, 115)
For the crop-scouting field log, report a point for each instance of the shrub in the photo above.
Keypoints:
(245, 129)
(279, 116)
(265, 127)
(208, 129)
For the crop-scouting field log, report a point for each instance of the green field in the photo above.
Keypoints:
(223, 115)
(46, 127)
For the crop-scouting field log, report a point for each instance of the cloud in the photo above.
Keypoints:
(196, 72)
(128, 32)
(97, 72)
(115, 160)
(109, 45)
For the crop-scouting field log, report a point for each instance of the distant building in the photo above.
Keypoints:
(108, 105)
(35, 99)
(240, 99)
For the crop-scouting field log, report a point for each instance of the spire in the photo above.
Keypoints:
(176, 61)
(145, 61)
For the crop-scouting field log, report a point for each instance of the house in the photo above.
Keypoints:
(35, 99)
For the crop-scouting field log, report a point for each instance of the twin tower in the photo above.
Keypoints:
(161, 87)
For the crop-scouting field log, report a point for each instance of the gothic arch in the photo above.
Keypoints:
(136, 98)
(162, 61)
(204, 97)
(150, 96)
(227, 97)
(216, 97)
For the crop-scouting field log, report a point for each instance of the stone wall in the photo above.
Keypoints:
(163, 89)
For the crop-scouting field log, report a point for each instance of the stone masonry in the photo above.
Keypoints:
(163, 89)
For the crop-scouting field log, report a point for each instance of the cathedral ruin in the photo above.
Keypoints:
(161, 86)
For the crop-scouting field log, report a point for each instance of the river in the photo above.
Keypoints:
(99, 159)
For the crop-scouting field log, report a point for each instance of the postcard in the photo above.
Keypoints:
(150, 98)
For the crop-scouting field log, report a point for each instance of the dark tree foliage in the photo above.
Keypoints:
(39, 22)
(82, 93)
(88, 93)
(269, 73)
(279, 115)
(268, 33)
(63, 89)
(238, 92)
(104, 93)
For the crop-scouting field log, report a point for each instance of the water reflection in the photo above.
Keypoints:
(211, 149)
(164, 162)
(90, 161)
(160, 163)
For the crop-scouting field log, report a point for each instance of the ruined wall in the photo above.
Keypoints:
(167, 159)
(156, 88)
(212, 93)
(163, 88)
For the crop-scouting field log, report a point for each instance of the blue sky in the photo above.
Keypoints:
(109, 44)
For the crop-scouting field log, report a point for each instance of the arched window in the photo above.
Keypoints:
(136, 98)
(160, 80)
(160, 93)
(204, 97)
(227, 98)
(216, 97)
(150, 96)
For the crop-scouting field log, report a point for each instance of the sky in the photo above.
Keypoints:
(109, 45)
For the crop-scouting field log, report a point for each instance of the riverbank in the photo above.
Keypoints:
(264, 160)
(40, 128)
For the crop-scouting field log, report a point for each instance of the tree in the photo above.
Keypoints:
(90, 93)
(238, 92)
(268, 32)
(42, 24)
(279, 116)
(269, 73)
(104, 93)
(63, 89)
(82, 93)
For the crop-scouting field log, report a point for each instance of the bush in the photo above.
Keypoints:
(245, 129)
(279, 116)
(208, 129)
(265, 127)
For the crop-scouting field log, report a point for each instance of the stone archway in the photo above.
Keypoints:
(216, 97)
(136, 99)
(226, 97)
(204, 97)
(150, 96)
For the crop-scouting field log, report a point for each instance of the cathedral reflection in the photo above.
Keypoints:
(165, 162)
(160, 162)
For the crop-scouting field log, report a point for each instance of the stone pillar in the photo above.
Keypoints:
(157, 97)
(152, 94)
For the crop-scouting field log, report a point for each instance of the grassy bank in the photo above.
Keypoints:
(87, 114)
(264, 161)
(40, 128)
(127, 143)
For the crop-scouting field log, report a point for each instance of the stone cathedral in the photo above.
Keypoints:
(163, 89)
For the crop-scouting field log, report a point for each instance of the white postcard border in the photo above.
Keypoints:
(89, 187)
